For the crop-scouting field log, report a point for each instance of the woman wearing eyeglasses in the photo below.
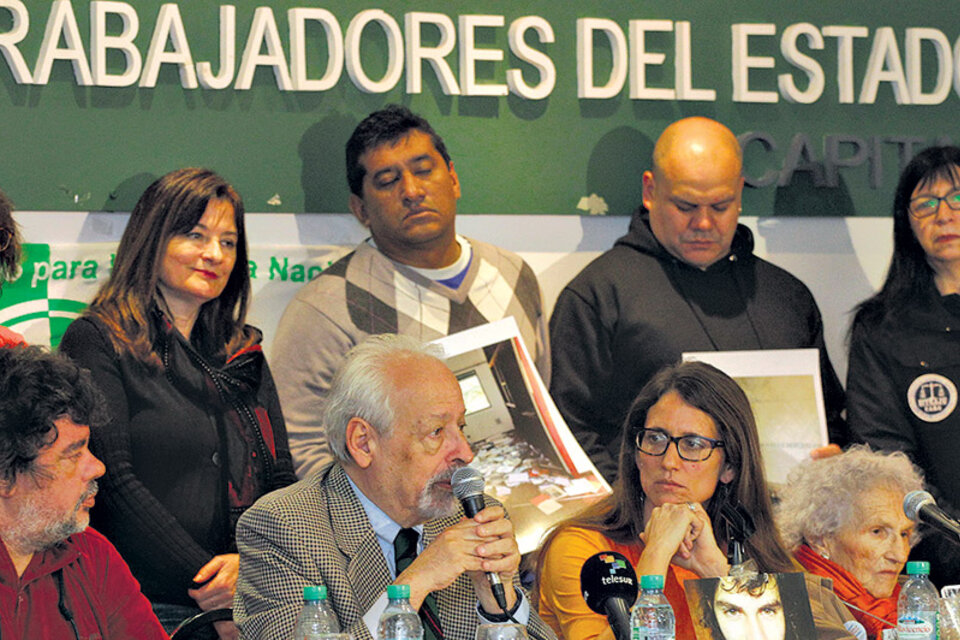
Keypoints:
(9, 261)
(904, 369)
(689, 445)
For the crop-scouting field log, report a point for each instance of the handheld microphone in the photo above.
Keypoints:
(609, 586)
(920, 506)
(467, 484)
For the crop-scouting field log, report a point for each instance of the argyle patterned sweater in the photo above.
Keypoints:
(366, 293)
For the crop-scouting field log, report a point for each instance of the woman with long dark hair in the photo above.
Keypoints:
(196, 434)
(689, 447)
(904, 369)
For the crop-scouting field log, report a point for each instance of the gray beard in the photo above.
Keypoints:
(436, 502)
(55, 529)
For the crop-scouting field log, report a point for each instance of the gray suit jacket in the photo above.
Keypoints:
(316, 532)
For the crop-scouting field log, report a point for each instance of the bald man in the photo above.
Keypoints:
(684, 278)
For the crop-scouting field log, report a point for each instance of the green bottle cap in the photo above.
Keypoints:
(651, 582)
(315, 592)
(395, 591)
(918, 567)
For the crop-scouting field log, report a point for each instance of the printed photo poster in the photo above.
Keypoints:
(523, 448)
(772, 606)
(784, 389)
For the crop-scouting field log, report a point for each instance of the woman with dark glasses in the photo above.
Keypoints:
(689, 447)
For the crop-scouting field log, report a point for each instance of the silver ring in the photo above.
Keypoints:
(691, 506)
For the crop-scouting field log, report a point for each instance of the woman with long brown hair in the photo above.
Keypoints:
(196, 434)
(689, 447)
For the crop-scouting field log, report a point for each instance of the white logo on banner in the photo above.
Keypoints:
(58, 280)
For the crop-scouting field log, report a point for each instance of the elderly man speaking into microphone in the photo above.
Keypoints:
(384, 513)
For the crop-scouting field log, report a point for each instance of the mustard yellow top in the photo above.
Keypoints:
(561, 602)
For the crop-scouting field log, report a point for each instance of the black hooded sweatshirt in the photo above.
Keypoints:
(636, 309)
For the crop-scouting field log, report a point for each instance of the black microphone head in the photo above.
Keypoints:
(913, 501)
(606, 575)
(466, 483)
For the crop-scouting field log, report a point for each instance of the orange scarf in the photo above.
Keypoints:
(851, 591)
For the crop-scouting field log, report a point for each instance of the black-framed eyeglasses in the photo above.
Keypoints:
(6, 237)
(924, 206)
(692, 448)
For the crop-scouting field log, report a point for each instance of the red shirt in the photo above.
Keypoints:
(98, 588)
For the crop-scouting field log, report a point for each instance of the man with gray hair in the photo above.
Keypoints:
(383, 513)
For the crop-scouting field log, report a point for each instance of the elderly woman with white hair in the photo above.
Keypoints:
(843, 519)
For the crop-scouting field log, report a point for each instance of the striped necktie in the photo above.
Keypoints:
(405, 550)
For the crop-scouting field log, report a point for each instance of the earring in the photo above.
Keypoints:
(825, 555)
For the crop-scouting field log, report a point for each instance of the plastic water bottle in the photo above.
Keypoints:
(918, 605)
(652, 616)
(399, 620)
(316, 618)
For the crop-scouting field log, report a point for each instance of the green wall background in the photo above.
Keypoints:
(69, 147)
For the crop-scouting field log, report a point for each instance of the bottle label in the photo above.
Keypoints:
(917, 627)
(640, 633)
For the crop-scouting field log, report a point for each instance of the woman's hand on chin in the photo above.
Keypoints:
(705, 558)
(670, 535)
(681, 534)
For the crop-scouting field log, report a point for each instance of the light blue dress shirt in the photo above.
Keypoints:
(386, 531)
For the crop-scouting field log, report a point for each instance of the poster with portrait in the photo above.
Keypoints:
(772, 606)
(783, 386)
(529, 459)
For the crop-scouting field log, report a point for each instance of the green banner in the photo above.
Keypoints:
(54, 287)
(59, 280)
(547, 107)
